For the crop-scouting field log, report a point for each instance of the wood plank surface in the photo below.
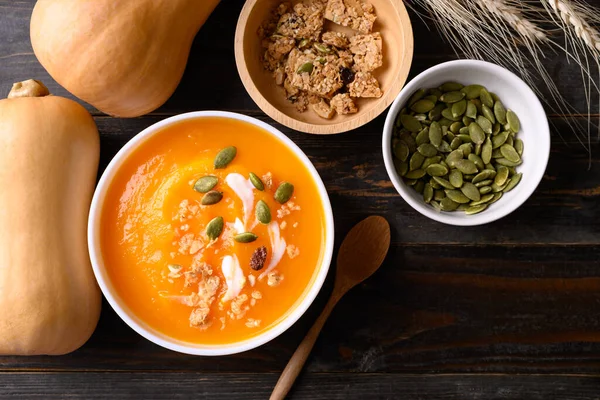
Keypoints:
(510, 310)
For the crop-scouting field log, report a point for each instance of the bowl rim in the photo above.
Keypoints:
(280, 325)
(326, 129)
(542, 146)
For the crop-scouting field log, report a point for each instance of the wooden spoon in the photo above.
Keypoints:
(361, 254)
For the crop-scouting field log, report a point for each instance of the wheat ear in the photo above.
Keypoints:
(514, 18)
(575, 18)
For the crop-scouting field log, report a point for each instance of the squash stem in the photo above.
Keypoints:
(28, 88)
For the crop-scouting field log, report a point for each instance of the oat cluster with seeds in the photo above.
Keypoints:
(321, 69)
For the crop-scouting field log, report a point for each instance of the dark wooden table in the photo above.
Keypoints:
(510, 310)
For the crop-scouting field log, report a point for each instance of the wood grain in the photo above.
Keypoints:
(509, 310)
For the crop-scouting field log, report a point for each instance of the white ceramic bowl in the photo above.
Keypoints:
(140, 326)
(515, 95)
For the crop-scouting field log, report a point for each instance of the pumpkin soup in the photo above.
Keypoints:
(212, 230)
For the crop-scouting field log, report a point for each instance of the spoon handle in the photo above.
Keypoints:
(294, 366)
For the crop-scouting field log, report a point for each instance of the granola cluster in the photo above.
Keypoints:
(319, 68)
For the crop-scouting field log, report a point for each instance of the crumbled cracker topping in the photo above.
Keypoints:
(292, 251)
(287, 209)
(252, 323)
(274, 278)
(314, 66)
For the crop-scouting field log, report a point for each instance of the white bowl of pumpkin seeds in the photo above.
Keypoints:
(466, 142)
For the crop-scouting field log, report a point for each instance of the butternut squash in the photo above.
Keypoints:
(123, 57)
(49, 151)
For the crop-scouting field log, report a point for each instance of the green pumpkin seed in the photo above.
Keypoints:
(443, 182)
(486, 151)
(401, 152)
(501, 176)
(410, 123)
(448, 204)
(486, 98)
(475, 209)
(445, 121)
(514, 181)
(464, 131)
(496, 129)
(476, 133)
(464, 136)
(497, 197)
(224, 157)
(510, 140)
(499, 139)
(457, 196)
(484, 175)
(518, 145)
(439, 195)
(466, 121)
(434, 184)
(478, 147)
(430, 160)
(470, 191)
(455, 178)
(490, 166)
(410, 182)
(416, 160)
(488, 113)
(422, 137)
(510, 153)
(206, 184)
(263, 212)
(423, 106)
(447, 114)
(477, 103)
(444, 147)
(484, 124)
(456, 142)
(459, 108)
(427, 150)
(436, 113)
(513, 121)
(284, 192)
(485, 189)
(452, 97)
(477, 161)
(409, 141)
(466, 166)
(432, 97)
(435, 134)
(401, 167)
(259, 185)
(214, 228)
(427, 193)
(481, 184)
(454, 156)
(455, 127)
(451, 87)
(471, 110)
(212, 197)
(496, 154)
(472, 91)
(467, 148)
(306, 67)
(246, 237)
(437, 170)
(418, 95)
(416, 174)
(419, 187)
(507, 163)
(499, 188)
(500, 112)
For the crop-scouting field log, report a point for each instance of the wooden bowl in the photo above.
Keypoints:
(392, 22)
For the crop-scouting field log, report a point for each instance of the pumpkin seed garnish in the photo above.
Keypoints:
(306, 67)
(514, 181)
(437, 170)
(259, 185)
(422, 137)
(471, 111)
(488, 114)
(427, 150)
(447, 204)
(457, 196)
(510, 153)
(486, 151)
(206, 184)
(401, 152)
(214, 228)
(456, 178)
(443, 182)
(415, 174)
(246, 237)
(466, 166)
(284, 192)
(418, 95)
(476, 133)
(486, 98)
(475, 209)
(459, 108)
(224, 157)
(451, 87)
(472, 91)
(416, 161)
(427, 193)
(435, 134)
(410, 123)
(500, 112)
(263, 213)
(212, 197)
